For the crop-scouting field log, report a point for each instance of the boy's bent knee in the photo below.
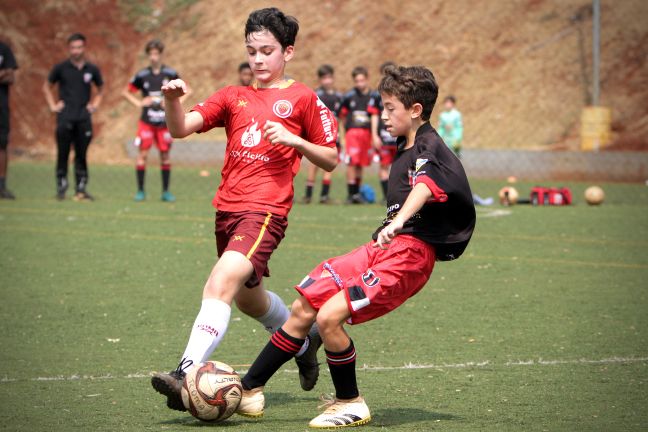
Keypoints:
(302, 311)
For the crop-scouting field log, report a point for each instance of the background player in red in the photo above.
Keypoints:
(74, 107)
(8, 66)
(333, 101)
(357, 124)
(430, 216)
(151, 126)
(383, 142)
(269, 126)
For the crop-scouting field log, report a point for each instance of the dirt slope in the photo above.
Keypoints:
(519, 68)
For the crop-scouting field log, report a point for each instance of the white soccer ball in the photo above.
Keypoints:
(212, 391)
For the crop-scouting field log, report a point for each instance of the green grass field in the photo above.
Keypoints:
(541, 326)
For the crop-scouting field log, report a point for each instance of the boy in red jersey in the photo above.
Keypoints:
(151, 126)
(430, 217)
(269, 126)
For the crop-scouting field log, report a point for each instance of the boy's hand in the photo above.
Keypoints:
(58, 107)
(376, 141)
(174, 89)
(276, 133)
(146, 101)
(387, 234)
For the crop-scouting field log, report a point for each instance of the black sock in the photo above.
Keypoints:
(350, 188)
(342, 367)
(309, 190)
(384, 184)
(140, 174)
(166, 176)
(281, 348)
(326, 185)
(3, 183)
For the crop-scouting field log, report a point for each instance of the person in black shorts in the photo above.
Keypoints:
(73, 110)
(8, 66)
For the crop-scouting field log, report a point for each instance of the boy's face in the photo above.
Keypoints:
(245, 77)
(266, 57)
(76, 49)
(155, 57)
(397, 118)
(327, 81)
(361, 82)
(448, 105)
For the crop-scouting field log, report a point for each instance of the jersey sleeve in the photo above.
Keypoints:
(8, 61)
(55, 74)
(319, 124)
(214, 110)
(135, 84)
(428, 172)
(96, 77)
(375, 105)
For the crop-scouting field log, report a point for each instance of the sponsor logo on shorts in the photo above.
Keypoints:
(252, 135)
(336, 277)
(282, 108)
(370, 279)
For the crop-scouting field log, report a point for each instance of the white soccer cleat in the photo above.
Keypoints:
(252, 403)
(339, 414)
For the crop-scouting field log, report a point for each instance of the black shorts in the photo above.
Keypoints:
(4, 128)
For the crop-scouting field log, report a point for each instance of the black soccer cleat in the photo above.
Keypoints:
(308, 364)
(170, 385)
(6, 194)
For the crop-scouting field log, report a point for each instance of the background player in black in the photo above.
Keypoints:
(74, 110)
(333, 101)
(383, 142)
(357, 124)
(8, 66)
(152, 124)
(245, 74)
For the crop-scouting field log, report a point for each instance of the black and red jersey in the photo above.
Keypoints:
(376, 108)
(150, 84)
(74, 87)
(448, 219)
(354, 107)
(332, 99)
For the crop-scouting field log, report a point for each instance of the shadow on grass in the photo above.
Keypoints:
(400, 416)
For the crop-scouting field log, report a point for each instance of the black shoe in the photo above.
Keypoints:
(170, 385)
(60, 195)
(6, 194)
(325, 199)
(355, 199)
(308, 364)
(83, 196)
(305, 200)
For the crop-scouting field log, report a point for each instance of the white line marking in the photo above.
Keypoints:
(365, 367)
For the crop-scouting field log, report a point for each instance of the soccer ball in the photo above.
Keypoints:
(212, 391)
(594, 195)
(508, 195)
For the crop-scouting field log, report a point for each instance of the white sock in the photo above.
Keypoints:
(208, 330)
(276, 315)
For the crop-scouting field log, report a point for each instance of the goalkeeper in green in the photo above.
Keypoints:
(450, 125)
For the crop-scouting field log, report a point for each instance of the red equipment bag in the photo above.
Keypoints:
(551, 196)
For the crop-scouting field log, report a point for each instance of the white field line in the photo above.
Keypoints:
(365, 367)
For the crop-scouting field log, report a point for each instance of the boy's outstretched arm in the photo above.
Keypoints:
(323, 157)
(180, 124)
(415, 200)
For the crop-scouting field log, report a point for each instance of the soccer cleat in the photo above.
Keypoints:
(355, 199)
(342, 413)
(6, 194)
(170, 385)
(252, 403)
(83, 196)
(168, 197)
(325, 199)
(305, 200)
(308, 365)
(140, 196)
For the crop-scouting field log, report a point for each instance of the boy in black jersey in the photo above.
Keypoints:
(152, 126)
(430, 217)
(8, 67)
(74, 109)
(333, 101)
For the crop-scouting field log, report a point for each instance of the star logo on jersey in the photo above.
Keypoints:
(242, 103)
(239, 237)
(252, 135)
(282, 108)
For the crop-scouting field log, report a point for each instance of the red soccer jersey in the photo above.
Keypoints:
(258, 175)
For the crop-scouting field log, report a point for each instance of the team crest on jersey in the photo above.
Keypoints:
(252, 135)
(87, 77)
(420, 163)
(370, 279)
(282, 108)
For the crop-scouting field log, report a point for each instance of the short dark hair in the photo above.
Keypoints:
(450, 98)
(243, 66)
(283, 27)
(75, 37)
(385, 66)
(359, 70)
(410, 85)
(155, 44)
(325, 69)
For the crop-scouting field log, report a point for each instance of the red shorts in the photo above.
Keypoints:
(358, 147)
(375, 281)
(254, 234)
(387, 154)
(147, 133)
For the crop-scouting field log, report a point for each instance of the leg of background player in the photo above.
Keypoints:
(165, 169)
(326, 187)
(82, 135)
(63, 144)
(140, 173)
(310, 182)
